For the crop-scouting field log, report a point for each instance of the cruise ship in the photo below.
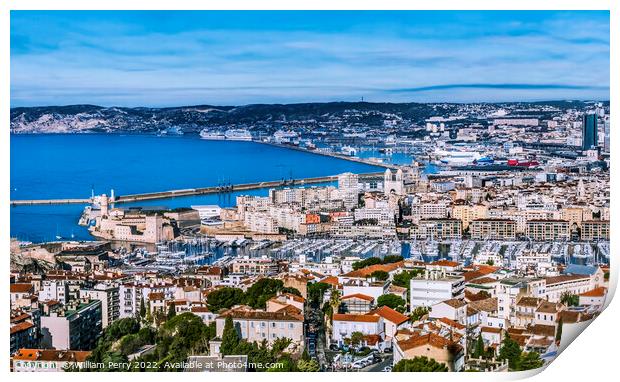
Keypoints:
(456, 157)
(212, 135)
(238, 135)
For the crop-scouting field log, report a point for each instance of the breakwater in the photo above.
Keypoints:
(197, 191)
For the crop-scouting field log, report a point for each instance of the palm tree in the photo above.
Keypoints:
(334, 304)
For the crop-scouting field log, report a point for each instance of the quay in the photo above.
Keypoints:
(49, 201)
(333, 155)
(197, 191)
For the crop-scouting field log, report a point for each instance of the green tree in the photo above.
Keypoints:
(418, 313)
(390, 300)
(211, 330)
(121, 327)
(558, 334)
(142, 308)
(478, 348)
(309, 366)
(569, 299)
(284, 364)
(365, 263)
(147, 335)
(171, 312)
(305, 355)
(180, 336)
(316, 292)
(291, 290)
(403, 278)
(511, 351)
(380, 275)
(110, 359)
(257, 295)
(530, 360)
(357, 338)
(419, 364)
(392, 259)
(130, 344)
(230, 337)
(224, 298)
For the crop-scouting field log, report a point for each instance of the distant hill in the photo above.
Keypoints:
(92, 118)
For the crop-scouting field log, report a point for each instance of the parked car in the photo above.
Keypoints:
(387, 369)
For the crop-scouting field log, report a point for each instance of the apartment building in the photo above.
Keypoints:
(493, 229)
(548, 230)
(440, 229)
(435, 287)
(258, 325)
(74, 326)
(593, 230)
(110, 301)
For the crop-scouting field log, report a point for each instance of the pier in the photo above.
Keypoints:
(333, 155)
(35, 202)
(197, 191)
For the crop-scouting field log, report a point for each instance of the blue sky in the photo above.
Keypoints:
(172, 58)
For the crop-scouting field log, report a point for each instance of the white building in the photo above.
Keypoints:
(435, 287)
(110, 301)
(344, 325)
(54, 290)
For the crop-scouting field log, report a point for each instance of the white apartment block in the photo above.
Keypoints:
(110, 301)
(434, 288)
(57, 290)
(344, 325)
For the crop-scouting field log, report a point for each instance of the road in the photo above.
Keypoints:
(387, 361)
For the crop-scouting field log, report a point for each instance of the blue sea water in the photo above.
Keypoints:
(67, 166)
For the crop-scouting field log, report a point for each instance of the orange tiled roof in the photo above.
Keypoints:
(564, 278)
(156, 296)
(390, 314)
(431, 339)
(200, 309)
(452, 323)
(21, 327)
(21, 288)
(596, 292)
(357, 295)
(50, 355)
(367, 271)
(488, 329)
(445, 263)
(332, 280)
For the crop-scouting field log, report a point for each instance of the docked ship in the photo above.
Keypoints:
(238, 135)
(212, 135)
(172, 130)
(455, 158)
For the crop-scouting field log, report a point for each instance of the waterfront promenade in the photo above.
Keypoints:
(196, 191)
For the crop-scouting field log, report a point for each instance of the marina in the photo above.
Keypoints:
(191, 252)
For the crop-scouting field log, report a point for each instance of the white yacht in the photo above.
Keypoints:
(212, 135)
(238, 135)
